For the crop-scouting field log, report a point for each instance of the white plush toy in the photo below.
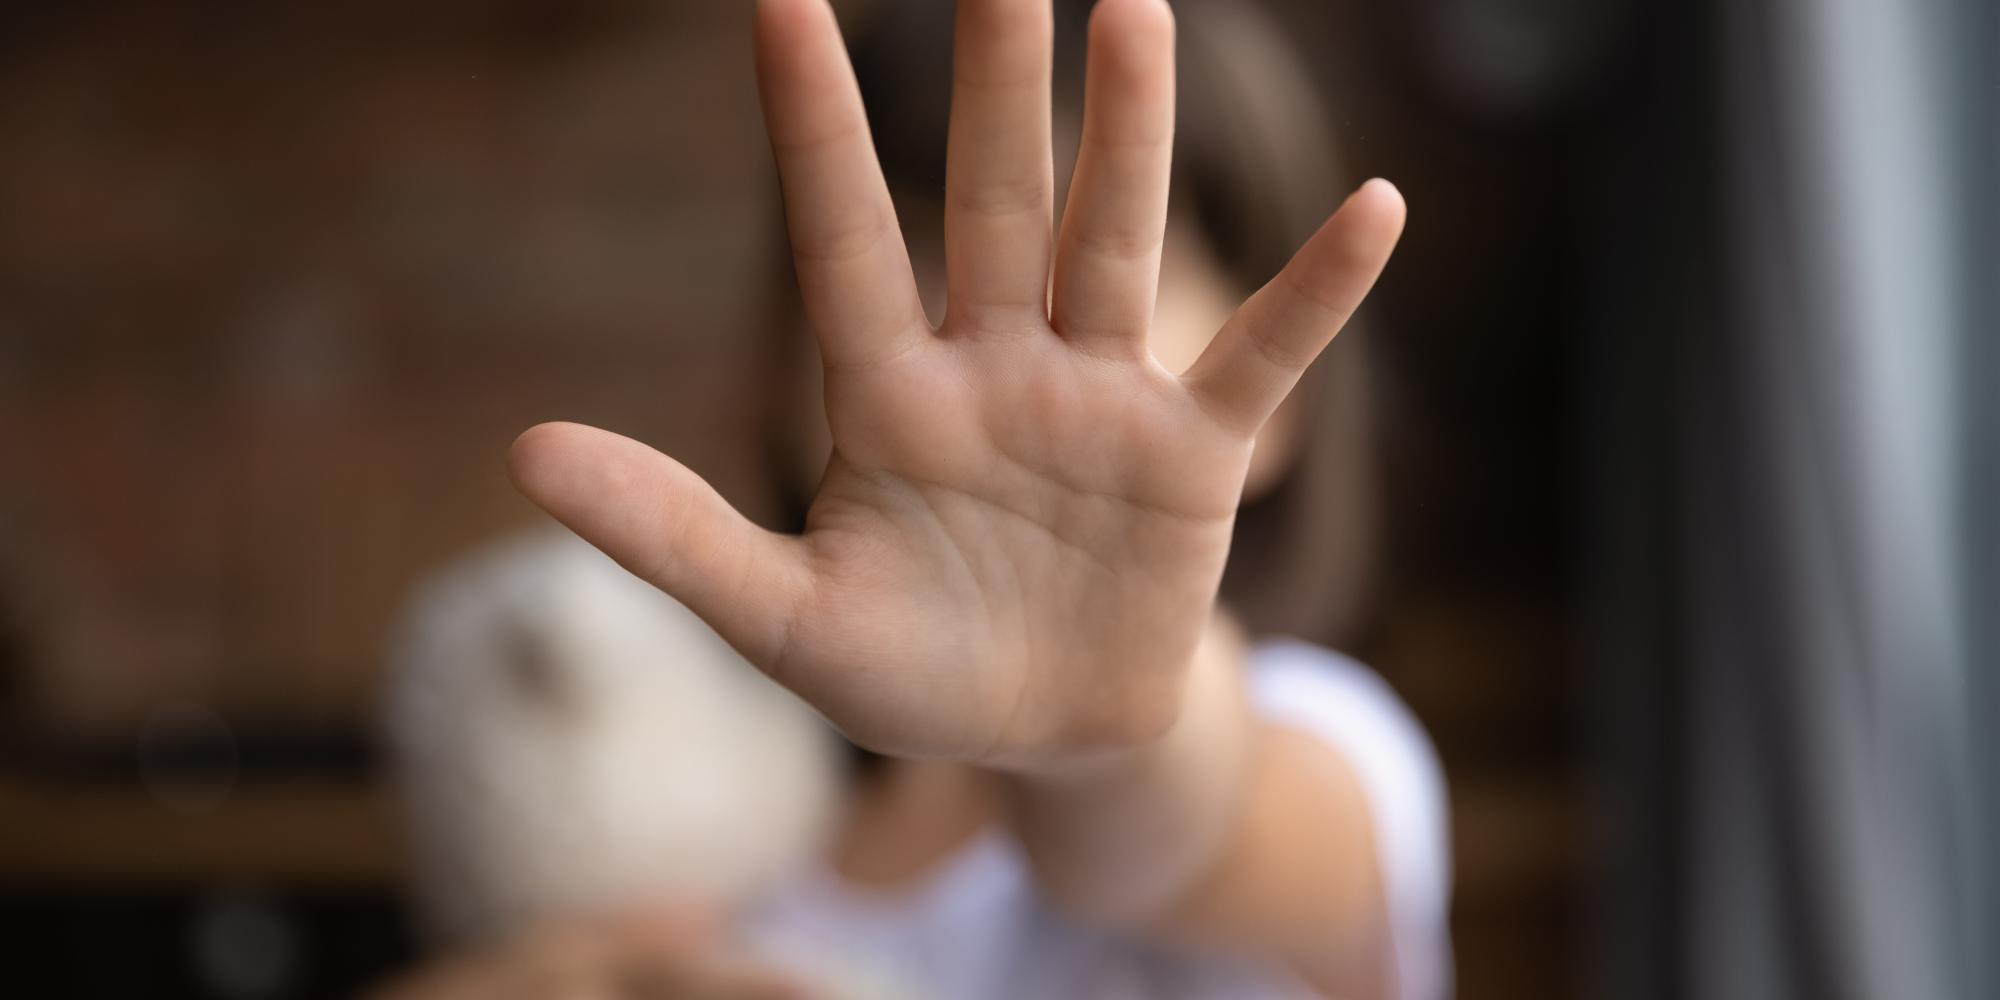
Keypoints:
(571, 740)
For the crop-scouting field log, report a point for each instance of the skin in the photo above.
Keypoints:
(1011, 564)
(632, 956)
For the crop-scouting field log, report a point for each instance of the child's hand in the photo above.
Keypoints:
(1019, 537)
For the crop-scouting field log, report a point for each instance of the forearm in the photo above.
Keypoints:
(1227, 832)
(1119, 837)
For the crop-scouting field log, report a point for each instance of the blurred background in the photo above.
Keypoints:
(1683, 389)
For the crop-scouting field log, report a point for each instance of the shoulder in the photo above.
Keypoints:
(1334, 697)
(1338, 701)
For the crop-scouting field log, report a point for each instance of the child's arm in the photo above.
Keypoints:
(1227, 831)
(1014, 554)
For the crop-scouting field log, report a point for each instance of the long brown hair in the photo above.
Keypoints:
(1254, 174)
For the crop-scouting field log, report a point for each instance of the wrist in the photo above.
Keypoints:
(1116, 834)
(1211, 715)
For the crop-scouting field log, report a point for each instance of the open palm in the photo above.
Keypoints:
(1018, 540)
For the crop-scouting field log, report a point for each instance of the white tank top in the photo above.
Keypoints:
(974, 929)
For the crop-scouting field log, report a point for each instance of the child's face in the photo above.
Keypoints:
(1196, 297)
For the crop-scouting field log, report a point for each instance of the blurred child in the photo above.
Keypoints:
(1091, 782)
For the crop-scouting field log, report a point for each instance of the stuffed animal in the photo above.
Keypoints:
(570, 740)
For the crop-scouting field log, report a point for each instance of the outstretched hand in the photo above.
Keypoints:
(1019, 537)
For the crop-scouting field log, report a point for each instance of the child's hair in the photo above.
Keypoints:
(1254, 175)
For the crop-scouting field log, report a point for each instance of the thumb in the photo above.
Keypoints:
(669, 527)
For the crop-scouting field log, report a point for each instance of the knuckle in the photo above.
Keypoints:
(1276, 351)
(840, 240)
(1308, 291)
(1000, 195)
(1119, 243)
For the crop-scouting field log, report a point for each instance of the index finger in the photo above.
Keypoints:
(853, 269)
